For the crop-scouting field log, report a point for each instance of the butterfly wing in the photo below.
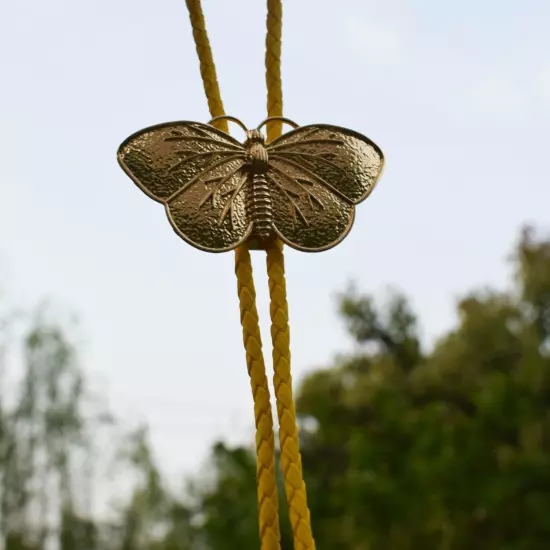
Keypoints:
(195, 170)
(318, 174)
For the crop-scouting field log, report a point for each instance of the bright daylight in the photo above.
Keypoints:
(275, 275)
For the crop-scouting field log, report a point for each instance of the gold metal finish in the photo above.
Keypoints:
(277, 118)
(219, 193)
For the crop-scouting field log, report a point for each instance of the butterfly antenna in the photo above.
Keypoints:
(279, 118)
(231, 119)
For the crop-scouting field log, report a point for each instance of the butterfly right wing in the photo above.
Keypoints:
(318, 173)
(195, 170)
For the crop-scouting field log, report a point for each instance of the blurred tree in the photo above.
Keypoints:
(154, 518)
(446, 450)
(49, 423)
(403, 448)
(46, 436)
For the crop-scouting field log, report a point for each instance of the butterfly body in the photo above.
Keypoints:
(220, 193)
(258, 193)
(260, 207)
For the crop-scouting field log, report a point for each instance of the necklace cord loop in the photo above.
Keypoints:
(291, 463)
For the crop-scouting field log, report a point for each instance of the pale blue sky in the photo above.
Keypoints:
(457, 94)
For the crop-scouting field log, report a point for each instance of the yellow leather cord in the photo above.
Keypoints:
(206, 61)
(291, 461)
(273, 66)
(265, 441)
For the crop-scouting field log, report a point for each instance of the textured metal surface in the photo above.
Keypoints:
(219, 193)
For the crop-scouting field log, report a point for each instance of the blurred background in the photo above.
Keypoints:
(421, 345)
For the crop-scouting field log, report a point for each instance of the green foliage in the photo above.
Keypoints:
(446, 450)
(403, 447)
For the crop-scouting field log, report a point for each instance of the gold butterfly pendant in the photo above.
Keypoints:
(219, 193)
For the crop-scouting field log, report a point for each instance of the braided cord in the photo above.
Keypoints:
(291, 461)
(288, 433)
(206, 62)
(265, 443)
(273, 66)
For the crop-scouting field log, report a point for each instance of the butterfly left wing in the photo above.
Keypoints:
(195, 170)
(317, 175)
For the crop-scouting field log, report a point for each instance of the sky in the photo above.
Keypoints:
(457, 95)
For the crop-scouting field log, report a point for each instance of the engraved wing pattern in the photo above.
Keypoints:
(195, 170)
(317, 174)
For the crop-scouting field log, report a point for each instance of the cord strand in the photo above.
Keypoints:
(206, 63)
(273, 66)
(265, 440)
(291, 461)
